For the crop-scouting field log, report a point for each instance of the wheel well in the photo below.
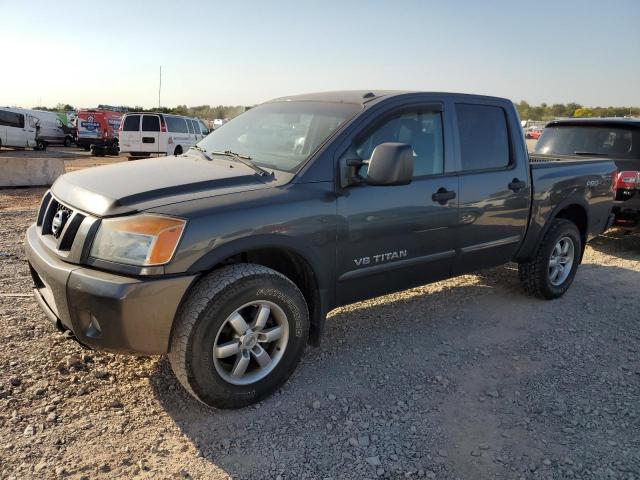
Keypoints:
(297, 269)
(576, 214)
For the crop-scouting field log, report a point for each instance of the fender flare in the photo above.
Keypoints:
(529, 247)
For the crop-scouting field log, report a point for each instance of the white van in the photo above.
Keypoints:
(143, 134)
(17, 129)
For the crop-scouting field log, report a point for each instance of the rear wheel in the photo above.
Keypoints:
(550, 273)
(41, 145)
(67, 141)
(239, 336)
(178, 150)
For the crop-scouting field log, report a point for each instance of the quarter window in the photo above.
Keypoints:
(131, 123)
(176, 125)
(11, 119)
(150, 123)
(421, 130)
(190, 125)
(484, 137)
(196, 127)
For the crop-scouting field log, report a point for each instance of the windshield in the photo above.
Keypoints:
(280, 135)
(613, 142)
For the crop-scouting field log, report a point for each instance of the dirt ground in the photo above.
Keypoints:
(467, 378)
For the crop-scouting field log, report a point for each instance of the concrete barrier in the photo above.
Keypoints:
(29, 172)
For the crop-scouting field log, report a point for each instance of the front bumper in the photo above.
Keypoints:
(105, 311)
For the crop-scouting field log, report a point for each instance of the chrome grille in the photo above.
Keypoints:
(69, 228)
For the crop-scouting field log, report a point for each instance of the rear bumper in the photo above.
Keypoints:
(627, 212)
(105, 311)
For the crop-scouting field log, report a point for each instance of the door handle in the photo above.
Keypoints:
(517, 185)
(442, 196)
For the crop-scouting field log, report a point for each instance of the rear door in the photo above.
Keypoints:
(130, 136)
(150, 133)
(495, 190)
(16, 131)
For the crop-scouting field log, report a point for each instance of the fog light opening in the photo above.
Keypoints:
(94, 330)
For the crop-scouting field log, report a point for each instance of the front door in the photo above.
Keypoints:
(396, 237)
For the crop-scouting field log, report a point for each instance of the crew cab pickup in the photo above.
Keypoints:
(614, 138)
(228, 257)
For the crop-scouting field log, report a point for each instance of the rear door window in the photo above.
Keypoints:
(196, 127)
(484, 137)
(131, 123)
(150, 123)
(190, 125)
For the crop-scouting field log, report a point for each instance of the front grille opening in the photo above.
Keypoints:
(66, 234)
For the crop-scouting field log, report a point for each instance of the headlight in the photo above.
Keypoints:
(143, 240)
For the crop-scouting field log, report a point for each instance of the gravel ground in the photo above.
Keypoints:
(462, 379)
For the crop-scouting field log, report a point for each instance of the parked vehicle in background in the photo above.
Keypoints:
(17, 129)
(97, 130)
(149, 133)
(614, 138)
(533, 132)
(53, 127)
(230, 259)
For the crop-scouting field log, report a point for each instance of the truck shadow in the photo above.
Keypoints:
(619, 243)
(426, 334)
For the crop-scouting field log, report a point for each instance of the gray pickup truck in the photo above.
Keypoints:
(228, 258)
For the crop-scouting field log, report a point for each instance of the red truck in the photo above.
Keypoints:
(98, 131)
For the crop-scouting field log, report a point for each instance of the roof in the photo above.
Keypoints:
(362, 97)
(602, 121)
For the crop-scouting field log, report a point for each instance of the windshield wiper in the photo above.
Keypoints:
(201, 150)
(590, 154)
(246, 160)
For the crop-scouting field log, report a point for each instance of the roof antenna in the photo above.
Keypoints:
(369, 95)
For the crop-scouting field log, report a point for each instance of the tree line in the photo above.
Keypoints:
(206, 112)
(549, 112)
(526, 111)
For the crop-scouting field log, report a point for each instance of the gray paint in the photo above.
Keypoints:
(412, 238)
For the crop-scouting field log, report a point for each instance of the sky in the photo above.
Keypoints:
(245, 52)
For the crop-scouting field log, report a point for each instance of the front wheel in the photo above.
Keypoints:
(239, 335)
(551, 272)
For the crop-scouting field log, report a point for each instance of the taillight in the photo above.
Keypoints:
(628, 180)
(163, 126)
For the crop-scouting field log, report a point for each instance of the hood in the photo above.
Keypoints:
(127, 187)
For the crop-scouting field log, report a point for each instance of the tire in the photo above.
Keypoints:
(536, 275)
(203, 321)
(86, 148)
(178, 150)
(41, 145)
(67, 142)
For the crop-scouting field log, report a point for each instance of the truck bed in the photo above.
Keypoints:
(559, 181)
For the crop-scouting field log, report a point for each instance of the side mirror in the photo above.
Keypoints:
(390, 164)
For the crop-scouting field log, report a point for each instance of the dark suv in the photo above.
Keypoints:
(614, 138)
